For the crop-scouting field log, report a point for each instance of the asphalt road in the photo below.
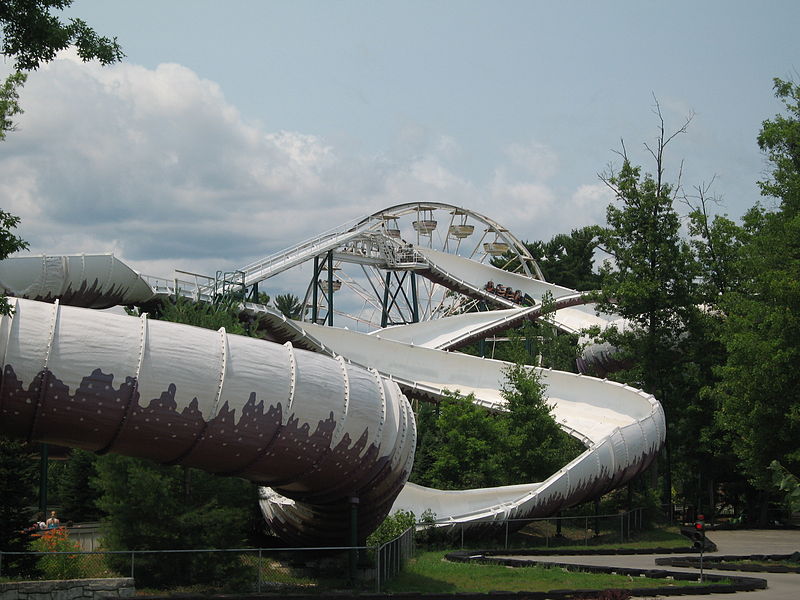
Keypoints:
(781, 586)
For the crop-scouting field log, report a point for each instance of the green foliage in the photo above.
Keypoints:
(540, 446)
(155, 507)
(9, 102)
(289, 305)
(758, 392)
(650, 279)
(9, 243)
(73, 486)
(199, 314)
(466, 447)
(18, 473)
(780, 140)
(567, 259)
(32, 35)
(392, 527)
(58, 566)
(462, 445)
(787, 483)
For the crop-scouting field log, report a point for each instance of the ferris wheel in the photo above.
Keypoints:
(368, 275)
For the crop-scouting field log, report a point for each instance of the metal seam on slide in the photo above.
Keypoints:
(379, 430)
(337, 434)
(400, 443)
(64, 275)
(292, 382)
(644, 435)
(143, 337)
(109, 277)
(45, 372)
(15, 307)
(83, 267)
(320, 461)
(200, 435)
(42, 277)
(627, 451)
(223, 369)
(284, 420)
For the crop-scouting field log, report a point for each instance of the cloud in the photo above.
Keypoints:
(534, 159)
(157, 166)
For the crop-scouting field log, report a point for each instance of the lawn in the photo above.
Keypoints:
(542, 536)
(430, 572)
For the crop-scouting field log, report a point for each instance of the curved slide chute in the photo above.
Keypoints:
(471, 278)
(623, 428)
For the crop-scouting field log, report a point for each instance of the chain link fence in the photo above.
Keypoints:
(543, 532)
(289, 570)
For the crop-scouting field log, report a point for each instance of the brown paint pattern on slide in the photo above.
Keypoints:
(249, 437)
(95, 295)
(159, 431)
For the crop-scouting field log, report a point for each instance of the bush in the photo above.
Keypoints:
(392, 527)
(58, 566)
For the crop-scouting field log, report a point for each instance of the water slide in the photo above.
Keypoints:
(321, 420)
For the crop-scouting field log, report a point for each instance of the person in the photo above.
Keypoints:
(37, 525)
(53, 521)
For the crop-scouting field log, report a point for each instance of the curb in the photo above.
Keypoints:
(719, 563)
(737, 583)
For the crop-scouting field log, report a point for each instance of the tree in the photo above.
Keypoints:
(155, 507)
(567, 259)
(9, 243)
(758, 392)
(539, 445)
(77, 496)
(469, 447)
(9, 102)
(199, 314)
(650, 280)
(18, 474)
(462, 445)
(289, 305)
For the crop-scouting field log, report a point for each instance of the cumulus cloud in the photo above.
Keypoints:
(157, 166)
(533, 158)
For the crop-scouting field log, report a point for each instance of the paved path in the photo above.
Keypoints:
(781, 586)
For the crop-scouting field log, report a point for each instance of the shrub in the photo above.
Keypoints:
(58, 566)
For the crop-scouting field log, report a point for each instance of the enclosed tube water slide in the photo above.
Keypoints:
(319, 429)
(321, 420)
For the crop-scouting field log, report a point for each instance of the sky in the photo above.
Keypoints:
(234, 129)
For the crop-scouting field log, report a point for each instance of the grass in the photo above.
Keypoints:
(429, 572)
(542, 536)
(666, 537)
(792, 564)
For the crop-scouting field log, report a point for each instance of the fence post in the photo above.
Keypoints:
(586, 531)
(1, 563)
(259, 569)
(629, 526)
(132, 571)
(377, 569)
(462, 536)
(621, 529)
(506, 546)
(353, 500)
